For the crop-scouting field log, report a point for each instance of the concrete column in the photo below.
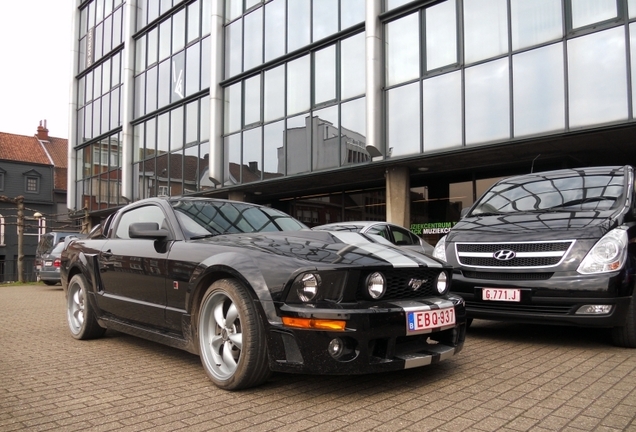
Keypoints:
(71, 179)
(398, 200)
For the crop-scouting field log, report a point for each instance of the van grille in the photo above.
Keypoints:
(515, 255)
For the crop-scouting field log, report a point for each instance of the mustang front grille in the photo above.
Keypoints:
(400, 286)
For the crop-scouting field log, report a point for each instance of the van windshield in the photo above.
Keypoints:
(537, 193)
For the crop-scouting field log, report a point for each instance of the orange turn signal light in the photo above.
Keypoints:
(315, 324)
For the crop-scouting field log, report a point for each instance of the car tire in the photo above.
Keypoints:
(79, 313)
(231, 337)
(625, 336)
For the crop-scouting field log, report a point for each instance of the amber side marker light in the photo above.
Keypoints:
(315, 324)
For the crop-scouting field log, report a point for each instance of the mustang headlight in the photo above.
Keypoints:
(440, 249)
(307, 287)
(442, 284)
(376, 285)
(313, 286)
(608, 254)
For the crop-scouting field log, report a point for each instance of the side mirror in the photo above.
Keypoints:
(147, 230)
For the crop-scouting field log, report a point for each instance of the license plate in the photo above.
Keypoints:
(501, 294)
(430, 319)
(48, 263)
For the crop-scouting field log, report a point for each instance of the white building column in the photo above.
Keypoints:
(216, 93)
(398, 199)
(128, 99)
(71, 176)
(375, 144)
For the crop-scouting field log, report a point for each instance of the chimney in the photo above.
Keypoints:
(43, 132)
(253, 166)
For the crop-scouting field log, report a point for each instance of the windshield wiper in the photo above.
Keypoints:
(582, 201)
(199, 237)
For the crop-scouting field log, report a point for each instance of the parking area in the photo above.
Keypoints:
(508, 377)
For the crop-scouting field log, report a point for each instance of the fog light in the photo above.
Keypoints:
(336, 348)
(594, 310)
(442, 283)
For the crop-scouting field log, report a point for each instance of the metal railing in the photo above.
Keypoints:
(9, 270)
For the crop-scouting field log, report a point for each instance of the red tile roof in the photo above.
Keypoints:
(29, 149)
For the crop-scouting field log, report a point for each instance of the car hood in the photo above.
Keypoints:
(326, 247)
(541, 226)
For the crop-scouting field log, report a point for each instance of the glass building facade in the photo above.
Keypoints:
(306, 104)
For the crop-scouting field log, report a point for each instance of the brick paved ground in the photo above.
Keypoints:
(509, 377)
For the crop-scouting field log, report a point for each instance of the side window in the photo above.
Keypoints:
(402, 237)
(140, 214)
(380, 230)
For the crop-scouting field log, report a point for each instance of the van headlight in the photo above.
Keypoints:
(440, 249)
(608, 254)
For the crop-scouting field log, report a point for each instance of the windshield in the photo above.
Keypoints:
(571, 191)
(208, 218)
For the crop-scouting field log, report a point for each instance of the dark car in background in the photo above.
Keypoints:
(395, 234)
(47, 256)
(556, 247)
(252, 290)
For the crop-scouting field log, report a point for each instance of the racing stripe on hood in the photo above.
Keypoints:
(392, 256)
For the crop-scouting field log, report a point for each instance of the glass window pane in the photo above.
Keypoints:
(178, 64)
(298, 152)
(597, 82)
(586, 12)
(351, 13)
(206, 63)
(165, 86)
(233, 48)
(204, 130)
(232, 158)
(140, 54)
(298, 85)
(298, 24)
(353, 78)
(442, 97)
(252, 100)
(538, 80)
(326, 135)
(485, 29)
(274, 93)
(392, 4)
(192, 165)
(253, 42)
(163, 133)
(632, 8)
(151, 138)
(193, 64)
(274, 151)
(233, 9)
(441, 35)
(165, 35)
(325, 18)
(233, 108)
(632, 46)
(325, 74)
(153, 46)
(151, 89)
(178, 31)
(176, 128)
(252, 155)
(402, 49)
(403, 124)
(535, 22)
(353, 132)
(194, 24)
(487, 102)
(274, 34)
(192, 127)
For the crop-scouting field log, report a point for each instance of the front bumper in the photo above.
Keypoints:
(553, 301)
(375, 338)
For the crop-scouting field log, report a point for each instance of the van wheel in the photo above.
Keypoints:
(625, 336)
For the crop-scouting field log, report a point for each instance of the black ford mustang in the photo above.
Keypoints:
(252, 290)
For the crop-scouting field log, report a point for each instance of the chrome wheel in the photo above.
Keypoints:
(75, 308)
(231, 337)
(223, 335)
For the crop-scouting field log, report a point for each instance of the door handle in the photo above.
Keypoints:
(107, 254)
